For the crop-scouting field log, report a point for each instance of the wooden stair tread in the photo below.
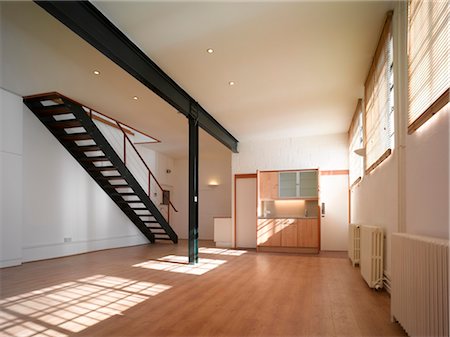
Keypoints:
(76, 136)
(73, 123)
(94, 159)
(47, 107)
(87, 148)
(117, 186)
(114, 178)
(59, 109)
(105, 168)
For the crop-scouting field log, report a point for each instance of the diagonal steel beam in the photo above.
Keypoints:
(89, 23)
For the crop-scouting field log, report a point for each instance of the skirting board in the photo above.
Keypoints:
(223, 244)
(49, 251)
(288, 250)
(10, 263)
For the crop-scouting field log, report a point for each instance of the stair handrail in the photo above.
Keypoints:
(60, 96)
(143, 161)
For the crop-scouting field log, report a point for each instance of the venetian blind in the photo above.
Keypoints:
(379, 95)
(355, 134)
(428, 59)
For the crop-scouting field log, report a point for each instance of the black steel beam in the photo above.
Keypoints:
(193, 188)
(89, 23)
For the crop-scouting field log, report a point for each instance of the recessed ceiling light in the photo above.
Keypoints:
(210, 50)
(96, 72)
(231, 83)
(135, 98)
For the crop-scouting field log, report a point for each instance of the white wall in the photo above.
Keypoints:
(62, 202)
(213, 201)
(47, 197)
(328, 152)
(427, 178)
(409, 192)
(11, 181)
(374, 201)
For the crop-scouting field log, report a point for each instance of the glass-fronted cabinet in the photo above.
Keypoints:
(298, 184)
(288, 211)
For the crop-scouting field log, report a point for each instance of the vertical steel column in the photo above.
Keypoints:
(193, 185)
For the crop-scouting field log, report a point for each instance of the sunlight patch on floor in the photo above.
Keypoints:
(221, 251)
(179, 264)
(71, 307)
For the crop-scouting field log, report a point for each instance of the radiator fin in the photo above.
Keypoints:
(354, 243)
(371, 260)
(420, 294)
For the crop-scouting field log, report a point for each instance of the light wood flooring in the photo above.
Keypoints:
(150, 291)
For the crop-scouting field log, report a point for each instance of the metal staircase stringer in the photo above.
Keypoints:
(114, 158)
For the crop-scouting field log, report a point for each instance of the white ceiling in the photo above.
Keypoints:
(299, 67)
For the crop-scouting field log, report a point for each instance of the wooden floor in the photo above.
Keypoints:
(150, 291)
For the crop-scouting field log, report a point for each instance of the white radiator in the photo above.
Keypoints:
(420, 294)
(353, 243)
(371, 259)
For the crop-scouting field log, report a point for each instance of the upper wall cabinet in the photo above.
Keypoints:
(298, 184)
(268, 185)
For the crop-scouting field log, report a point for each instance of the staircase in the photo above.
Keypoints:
(73, 125)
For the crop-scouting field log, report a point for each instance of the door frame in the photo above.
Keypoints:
(243, 176)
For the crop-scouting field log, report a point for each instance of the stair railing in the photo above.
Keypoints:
(127, 158)
(150, 175)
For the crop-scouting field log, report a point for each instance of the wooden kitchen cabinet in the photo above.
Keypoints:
(308, 233)
(268, 185)
(295, 235)
(288, 232)
(269, 233)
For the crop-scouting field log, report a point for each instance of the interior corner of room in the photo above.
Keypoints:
(221, 143)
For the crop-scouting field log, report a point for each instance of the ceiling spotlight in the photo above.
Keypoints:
(210, 50)
(135, 98)
(96, 72)
(231, 83)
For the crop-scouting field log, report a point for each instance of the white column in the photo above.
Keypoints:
(11, 179)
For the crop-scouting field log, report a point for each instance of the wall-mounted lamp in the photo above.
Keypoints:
(213, 183)
(361, 152)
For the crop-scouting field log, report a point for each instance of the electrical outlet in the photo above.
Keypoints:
(67, 239)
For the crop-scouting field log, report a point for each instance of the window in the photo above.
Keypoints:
(356, 141)
(428, 60)
(379, 95)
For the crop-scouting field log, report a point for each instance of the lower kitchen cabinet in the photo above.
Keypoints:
(308, 233)
(288, 235)
(288, 232)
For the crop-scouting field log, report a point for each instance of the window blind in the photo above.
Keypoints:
(428, 59)
(379, 95)
(355, 134)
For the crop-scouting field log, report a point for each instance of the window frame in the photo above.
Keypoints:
(383, 130)
(356, 131)
(438, 97)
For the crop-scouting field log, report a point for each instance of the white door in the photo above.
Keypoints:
(334, 223)
(245, 211)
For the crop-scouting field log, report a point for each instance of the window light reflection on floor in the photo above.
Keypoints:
(221, 251)
(179, 264)
(71, 307)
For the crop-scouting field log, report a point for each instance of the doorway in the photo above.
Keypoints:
(245, 199)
